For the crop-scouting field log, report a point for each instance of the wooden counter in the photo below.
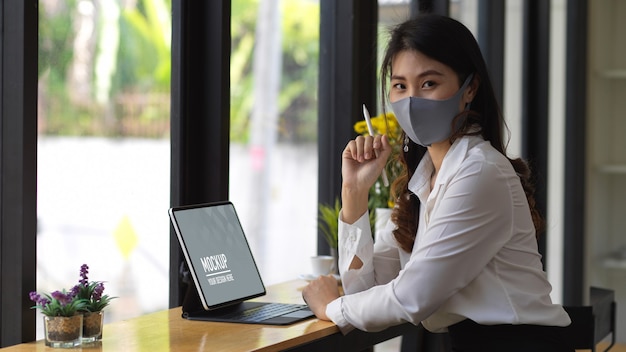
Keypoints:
(168, 331)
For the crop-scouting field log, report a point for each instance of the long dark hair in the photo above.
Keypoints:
(451, 43)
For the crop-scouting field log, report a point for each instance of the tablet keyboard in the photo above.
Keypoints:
(265, 312)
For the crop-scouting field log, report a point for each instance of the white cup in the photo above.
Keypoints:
(322, 264)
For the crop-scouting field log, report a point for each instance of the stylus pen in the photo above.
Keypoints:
(370, 128)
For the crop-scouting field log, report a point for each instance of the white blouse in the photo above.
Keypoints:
(475, 255)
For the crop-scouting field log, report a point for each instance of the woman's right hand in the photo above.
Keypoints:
(363, 161)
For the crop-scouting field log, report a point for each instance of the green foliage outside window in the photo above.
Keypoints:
(298, 90)
(132, 99)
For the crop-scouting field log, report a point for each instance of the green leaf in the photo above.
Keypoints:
(328, 221)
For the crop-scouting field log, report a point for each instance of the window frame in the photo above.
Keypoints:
(18, 162)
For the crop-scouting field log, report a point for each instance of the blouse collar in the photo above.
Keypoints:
(419, 184)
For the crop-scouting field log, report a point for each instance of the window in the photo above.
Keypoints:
(273, 153)
(104, 150)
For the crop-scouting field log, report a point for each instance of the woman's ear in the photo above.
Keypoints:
(472, 89)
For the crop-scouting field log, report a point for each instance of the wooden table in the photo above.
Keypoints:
(168, 331)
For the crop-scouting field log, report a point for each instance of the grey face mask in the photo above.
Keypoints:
(426, 121)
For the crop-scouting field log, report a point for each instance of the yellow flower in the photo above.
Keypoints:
(383, 124)
(361, 128)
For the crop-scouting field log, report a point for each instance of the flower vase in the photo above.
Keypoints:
(92, 326)
(63, 332)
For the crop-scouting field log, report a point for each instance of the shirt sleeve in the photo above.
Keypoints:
(381, 262)
(471, 222)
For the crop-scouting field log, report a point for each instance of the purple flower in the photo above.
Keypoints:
(63, 298)
(84, 270)
(97, 291)
(75, 290)
(41, 301)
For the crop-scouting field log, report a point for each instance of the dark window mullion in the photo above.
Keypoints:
(347, 79)
(535, 108)
(200, 113)
(575, 145)
(18, 163)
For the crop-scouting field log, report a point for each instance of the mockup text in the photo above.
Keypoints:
(214, 263)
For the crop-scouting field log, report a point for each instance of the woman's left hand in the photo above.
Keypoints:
(319, 293)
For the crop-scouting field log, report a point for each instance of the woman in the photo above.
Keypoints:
(460, 252)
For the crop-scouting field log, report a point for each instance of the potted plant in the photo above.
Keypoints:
(328, 222)
(74, 317)
(63, 322)
(91, 294)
